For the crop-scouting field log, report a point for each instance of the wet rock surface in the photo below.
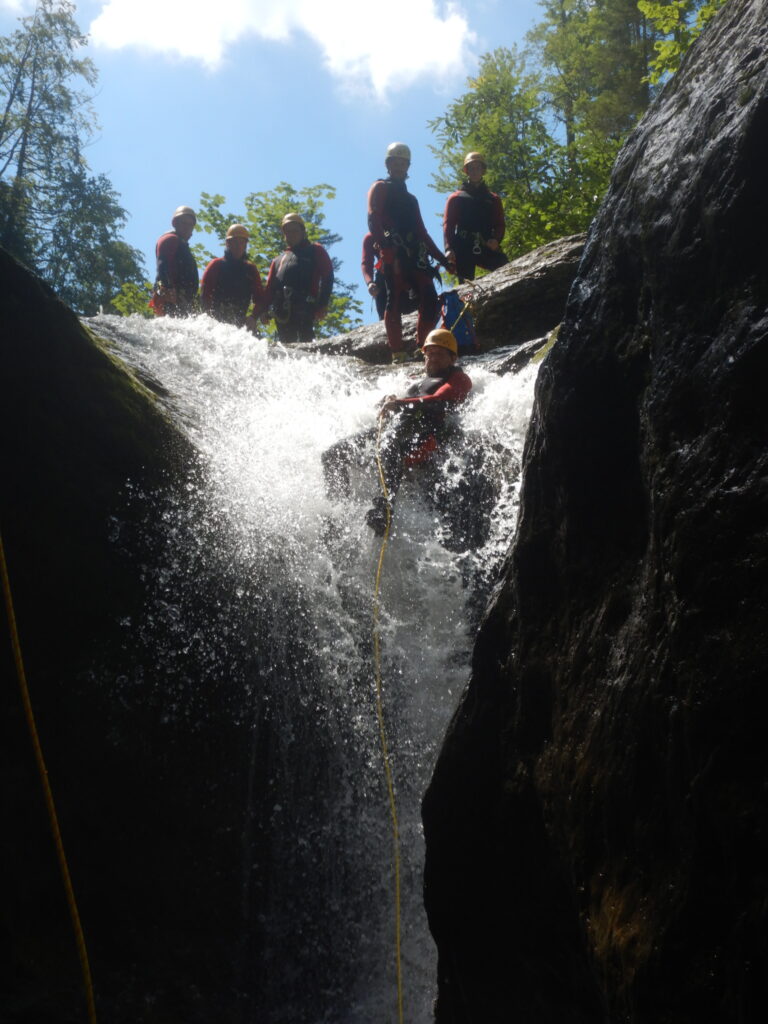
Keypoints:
(90, 464)
(597, 825)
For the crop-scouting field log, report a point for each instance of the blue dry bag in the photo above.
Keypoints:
(456, 317)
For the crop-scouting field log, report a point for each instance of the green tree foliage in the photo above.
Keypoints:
(83, 260)
(551, 119)
(679, 22)
(593, 58)
(55, 216)
(262, 214)
(134, 298)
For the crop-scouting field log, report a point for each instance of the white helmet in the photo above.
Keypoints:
(398, 149)
(183, 211)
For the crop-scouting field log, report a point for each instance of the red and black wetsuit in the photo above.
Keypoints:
(298, 289)
(473, 216)
(407, 440)
(394, 221)
(373, 274)
(228, 287)
(176, 269)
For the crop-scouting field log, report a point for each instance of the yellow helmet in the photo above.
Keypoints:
(471, 158)
(183, 211)
(237, 231)
(442, 338)
(398, 149)
(292, 218)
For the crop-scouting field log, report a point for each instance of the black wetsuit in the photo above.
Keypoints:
(473, 216)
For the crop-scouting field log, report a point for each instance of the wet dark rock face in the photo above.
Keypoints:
(523, 300)
(597, 825)
(90, 464)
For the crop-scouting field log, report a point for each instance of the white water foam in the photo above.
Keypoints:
(261, 418)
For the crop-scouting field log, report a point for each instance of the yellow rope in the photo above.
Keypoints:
(43, 771)
(382, 731)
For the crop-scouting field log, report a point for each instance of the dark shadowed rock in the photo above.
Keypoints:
(597, 825)
(90, 465)
(521, 301)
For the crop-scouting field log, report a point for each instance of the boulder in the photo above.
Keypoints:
(597, 823)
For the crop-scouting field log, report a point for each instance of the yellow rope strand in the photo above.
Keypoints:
(382, 731)
(466, 306)
(43, 772)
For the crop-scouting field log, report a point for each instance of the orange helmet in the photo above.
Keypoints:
(292, 218)
(472, 158)
(442, 338)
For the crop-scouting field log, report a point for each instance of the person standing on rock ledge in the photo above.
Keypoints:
(299, 284)
(231, 282)
(473, 223)
(405, 247)
(413, 429)
(177, 279)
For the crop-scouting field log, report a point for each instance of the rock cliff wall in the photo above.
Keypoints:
(597, 828)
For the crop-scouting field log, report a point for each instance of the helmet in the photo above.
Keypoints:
(471, 158)
(398, 149)
(443, 339)
(183, 211)
(292, 218)
(237, 231)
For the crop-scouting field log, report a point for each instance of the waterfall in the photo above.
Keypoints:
(291, 575)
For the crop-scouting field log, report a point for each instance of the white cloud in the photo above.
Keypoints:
(378, 47)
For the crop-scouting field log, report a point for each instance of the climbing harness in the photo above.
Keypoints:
(285, 314)
(382, 730)
(43, 772)
(477, 240)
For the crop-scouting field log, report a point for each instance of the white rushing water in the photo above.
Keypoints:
(261, 418)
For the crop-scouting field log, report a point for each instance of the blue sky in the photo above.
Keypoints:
(234, 96)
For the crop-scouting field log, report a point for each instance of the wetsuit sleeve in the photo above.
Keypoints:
(167, 268)
(455, 389)
(498, 225)
(450, 221)
(324, 271)
(269, 288)
(376, 199)
(368, 259)
(257, 289)
(208, 284)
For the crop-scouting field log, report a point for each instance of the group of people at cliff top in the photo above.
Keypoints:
(400, 261)
(297, 291)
